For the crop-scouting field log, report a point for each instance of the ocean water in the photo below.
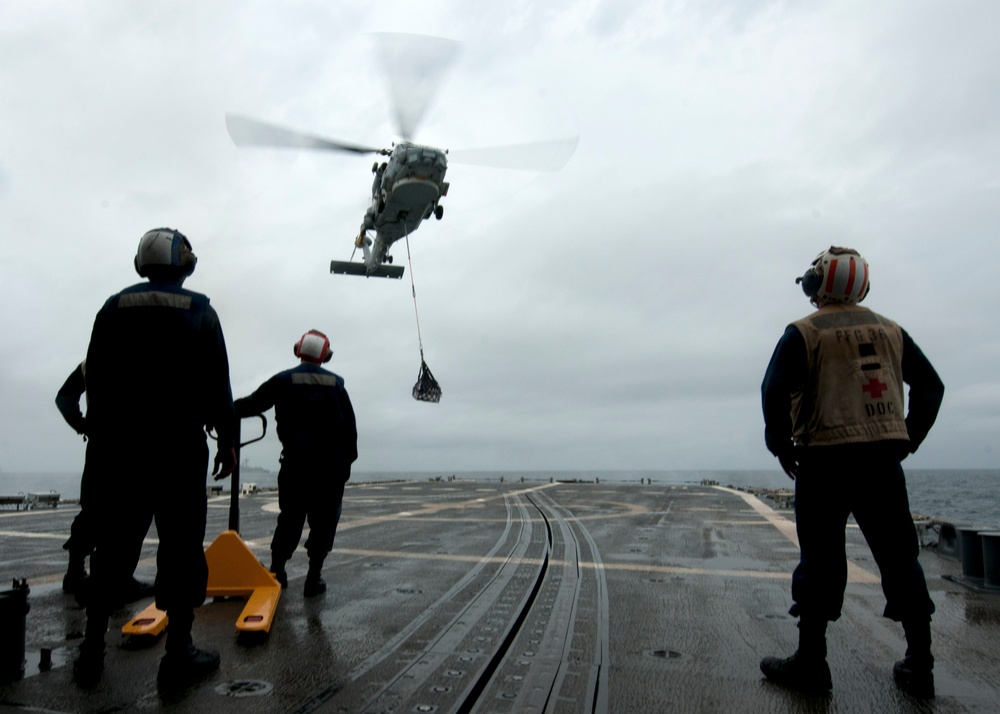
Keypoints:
(960, 496)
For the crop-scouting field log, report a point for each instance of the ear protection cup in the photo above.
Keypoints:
(186, 259)
(313, 346)
(811, 282)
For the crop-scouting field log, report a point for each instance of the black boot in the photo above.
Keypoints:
(89, 666)
(806, 670)
(183, 664)
(315, 585)
(914, 674)
(278, 569)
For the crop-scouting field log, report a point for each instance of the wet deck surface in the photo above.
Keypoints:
(510, 597)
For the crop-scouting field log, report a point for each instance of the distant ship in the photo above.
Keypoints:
(246, 468)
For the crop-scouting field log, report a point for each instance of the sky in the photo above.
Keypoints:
(616, 314)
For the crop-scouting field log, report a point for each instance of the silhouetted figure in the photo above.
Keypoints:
(157, 376)
(319, 442)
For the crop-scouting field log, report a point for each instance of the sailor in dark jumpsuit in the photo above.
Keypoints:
(81, 538)
(319, 442)
(157, 376)
(81, 534)
(833, 411)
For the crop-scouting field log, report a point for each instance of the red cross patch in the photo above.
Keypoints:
(875, 388)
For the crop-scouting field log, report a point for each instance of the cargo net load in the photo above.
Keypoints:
(426, 389)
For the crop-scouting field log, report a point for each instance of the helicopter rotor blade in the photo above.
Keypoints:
(534, 156)
(250, 132)
(414, 66)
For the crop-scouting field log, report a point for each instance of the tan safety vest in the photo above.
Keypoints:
(854, 390)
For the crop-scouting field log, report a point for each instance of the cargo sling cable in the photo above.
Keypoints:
(426, 389)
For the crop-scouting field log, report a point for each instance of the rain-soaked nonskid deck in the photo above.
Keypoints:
(460, 596)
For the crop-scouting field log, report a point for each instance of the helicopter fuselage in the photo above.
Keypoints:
(406, 190)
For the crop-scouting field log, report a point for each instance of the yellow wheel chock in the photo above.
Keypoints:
(233, 571)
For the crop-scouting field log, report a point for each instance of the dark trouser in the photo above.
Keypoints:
(165, 482)
(309, 489)
(81, 533)
(866, 480)
(81, 538)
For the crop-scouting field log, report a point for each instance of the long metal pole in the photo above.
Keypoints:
(234, 497)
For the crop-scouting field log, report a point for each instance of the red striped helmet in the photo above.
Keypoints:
(837, 275)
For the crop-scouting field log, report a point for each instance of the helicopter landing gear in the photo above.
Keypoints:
(388, 259)
(439, 212)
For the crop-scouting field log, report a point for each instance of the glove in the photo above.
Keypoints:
(789, 464)
(225, 463)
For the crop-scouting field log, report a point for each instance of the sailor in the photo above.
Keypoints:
(835, 416)
(319, 442)
(157, 376)
(81, 537)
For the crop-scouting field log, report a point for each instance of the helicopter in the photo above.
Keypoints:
(409, 184)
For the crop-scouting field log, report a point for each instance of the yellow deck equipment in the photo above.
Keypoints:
(233, 571)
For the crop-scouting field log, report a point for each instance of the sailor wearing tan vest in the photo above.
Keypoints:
(838, 420)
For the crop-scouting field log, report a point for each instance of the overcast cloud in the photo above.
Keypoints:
(618, 314)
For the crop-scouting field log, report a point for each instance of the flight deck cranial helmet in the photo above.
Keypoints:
(837, 275)
(313, 347)
(165, 254)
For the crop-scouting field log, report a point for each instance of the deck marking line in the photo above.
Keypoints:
(855, 573)
(34, 536)
(658, 569)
